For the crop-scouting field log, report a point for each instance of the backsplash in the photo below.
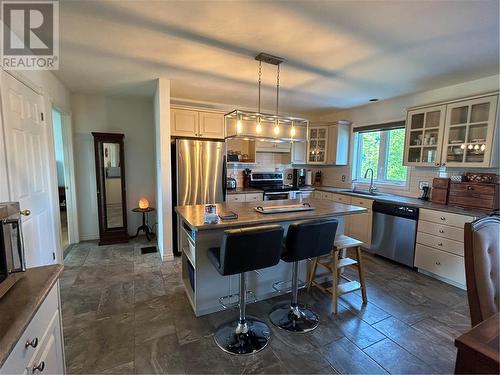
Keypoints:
(265, 162)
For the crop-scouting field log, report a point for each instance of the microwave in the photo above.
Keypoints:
(12, 259)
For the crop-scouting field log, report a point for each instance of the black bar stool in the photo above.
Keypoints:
(244, 250)
(305, 239)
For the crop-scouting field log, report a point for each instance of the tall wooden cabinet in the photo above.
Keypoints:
(462, 133)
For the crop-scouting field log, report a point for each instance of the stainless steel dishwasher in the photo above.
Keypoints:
(394, 232)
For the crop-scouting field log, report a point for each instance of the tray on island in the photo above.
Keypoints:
(283, 208)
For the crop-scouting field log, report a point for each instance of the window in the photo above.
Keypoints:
(382, 151)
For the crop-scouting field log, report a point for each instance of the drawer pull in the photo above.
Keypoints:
(33, 343)
(438, 263)
(440, 244)
(443, 218)
(40, 367)
(441, 231)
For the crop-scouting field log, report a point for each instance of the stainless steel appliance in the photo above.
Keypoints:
(272, 183)
(12, 260)
(299, 177)
(198, 175)
(230, 183)
(394, 232)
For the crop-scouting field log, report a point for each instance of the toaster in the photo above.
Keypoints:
(231, 183)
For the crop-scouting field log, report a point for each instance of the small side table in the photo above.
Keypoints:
(144, 227)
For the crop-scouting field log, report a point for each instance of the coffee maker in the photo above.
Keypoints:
(426, 193)
(299, 177)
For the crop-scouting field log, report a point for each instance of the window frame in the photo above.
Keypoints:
(357, 173)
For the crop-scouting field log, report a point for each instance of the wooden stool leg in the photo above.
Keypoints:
(361, 275)
(312, 273)
(335, 280)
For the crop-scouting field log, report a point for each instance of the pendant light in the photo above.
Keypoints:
(277, 125)
(258, 127)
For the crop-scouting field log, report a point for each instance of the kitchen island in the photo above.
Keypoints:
(205, 287)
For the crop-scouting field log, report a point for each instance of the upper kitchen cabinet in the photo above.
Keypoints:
(299, 153)
(268, 146)
(317, 147)
(453, 134)
(199, 124)
(424, 133)
(329, 144)
(469, 133)
(338, 143)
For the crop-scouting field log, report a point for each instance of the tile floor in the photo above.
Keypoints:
(124, 312)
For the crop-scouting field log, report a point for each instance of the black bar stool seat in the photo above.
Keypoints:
(241, 251)
(305, 239)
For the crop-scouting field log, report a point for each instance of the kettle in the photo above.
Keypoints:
(231, 183)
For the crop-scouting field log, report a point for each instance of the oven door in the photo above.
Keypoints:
(276, 195)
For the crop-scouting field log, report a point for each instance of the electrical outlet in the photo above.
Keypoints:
(421, 184)
(343, 178)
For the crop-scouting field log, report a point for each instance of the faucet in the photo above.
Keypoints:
(372, 187)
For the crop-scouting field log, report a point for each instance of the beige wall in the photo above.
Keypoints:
(395, 109)
(132, 117)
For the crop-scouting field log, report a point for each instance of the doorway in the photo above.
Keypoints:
(65, 178)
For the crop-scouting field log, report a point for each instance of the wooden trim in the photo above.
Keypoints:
(456, 100)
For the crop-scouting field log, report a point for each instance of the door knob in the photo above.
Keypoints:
(25, 212)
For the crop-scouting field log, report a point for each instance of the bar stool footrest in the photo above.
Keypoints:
(285, 286)
(233, 300)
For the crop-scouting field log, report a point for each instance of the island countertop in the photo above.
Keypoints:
(193, 216)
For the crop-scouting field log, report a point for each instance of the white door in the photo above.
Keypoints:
(28, 167)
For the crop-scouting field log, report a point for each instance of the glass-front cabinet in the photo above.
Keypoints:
(317, 147)
(469, 133)
(457, 134)
(424, 133)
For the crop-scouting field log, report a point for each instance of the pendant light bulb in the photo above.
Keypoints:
(238, 125)
(292, 131)
(258, 128)
(277, 128)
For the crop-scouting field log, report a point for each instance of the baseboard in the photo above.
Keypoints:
(89, 237)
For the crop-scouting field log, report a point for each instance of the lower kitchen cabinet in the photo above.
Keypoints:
(440, 245)
(40, 348)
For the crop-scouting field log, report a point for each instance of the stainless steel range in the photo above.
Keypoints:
(272, 183)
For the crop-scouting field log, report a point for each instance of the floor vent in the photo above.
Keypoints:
(148, 250)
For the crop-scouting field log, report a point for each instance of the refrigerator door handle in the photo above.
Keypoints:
(224, 179)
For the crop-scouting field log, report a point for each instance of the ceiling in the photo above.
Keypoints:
(338, 54)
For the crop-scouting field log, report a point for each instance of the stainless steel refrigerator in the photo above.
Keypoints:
(198, 175)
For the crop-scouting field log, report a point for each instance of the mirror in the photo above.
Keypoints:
(110, 178)
(112, 185)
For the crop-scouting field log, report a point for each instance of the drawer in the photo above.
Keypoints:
(446, 218)
(441, 243)
(306, 194)
(326, 195)
(22, 356)
(346, 199)
(253, 197)
(440, 230)
(440, 263)
(362, 202)
(235, 198)
(317, 194)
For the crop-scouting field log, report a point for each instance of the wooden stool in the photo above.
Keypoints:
(335, 263)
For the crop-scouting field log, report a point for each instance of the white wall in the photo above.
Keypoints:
(395, 109)
(163, 167)
(132, 117)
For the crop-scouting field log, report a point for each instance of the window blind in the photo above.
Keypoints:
(380, 127)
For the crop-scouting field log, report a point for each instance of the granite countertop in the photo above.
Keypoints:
(244, 190)
(21, 303)
(193, 215)
(413, 202)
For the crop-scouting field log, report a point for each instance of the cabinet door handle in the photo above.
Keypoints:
(440, 244)
(436, 164)
(443, 218)
(33, 343)
(39, 368)
(444, 164)
(438, 263)
(441, 231)
(25, 212)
